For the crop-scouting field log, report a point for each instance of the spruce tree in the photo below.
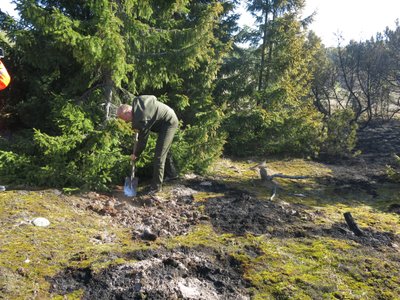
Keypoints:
(285, 118)
(84, 56)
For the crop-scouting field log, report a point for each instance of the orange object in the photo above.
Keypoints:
(4, 77)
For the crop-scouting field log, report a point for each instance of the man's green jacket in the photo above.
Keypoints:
(149, 114)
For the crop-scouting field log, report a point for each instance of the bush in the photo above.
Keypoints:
(16, 169)
(79, 157)
(261, 132)
(393, 171)
(341, 134)
(199, 144)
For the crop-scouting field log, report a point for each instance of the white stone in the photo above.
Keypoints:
(299, 195)
(41, 222)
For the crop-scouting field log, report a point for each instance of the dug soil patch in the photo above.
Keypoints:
(159, 274)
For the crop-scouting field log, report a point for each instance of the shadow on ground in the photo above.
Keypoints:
(239, 213)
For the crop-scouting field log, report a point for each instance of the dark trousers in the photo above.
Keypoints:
(162, 158)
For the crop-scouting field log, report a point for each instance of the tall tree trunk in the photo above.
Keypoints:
(270, 49)
(263, 47)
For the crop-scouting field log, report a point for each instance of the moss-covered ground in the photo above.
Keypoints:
(312, 265)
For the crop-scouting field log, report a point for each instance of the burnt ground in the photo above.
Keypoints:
(204, 273)
(376, 145)
(163, 274)
(198, 273)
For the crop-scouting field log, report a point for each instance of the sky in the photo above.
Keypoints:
(352, 19)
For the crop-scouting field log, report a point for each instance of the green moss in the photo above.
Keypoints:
(76, 295)
(202, 235)
(44, 251)
(320, 269)
(203, 196)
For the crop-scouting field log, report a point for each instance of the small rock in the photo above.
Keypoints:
(148, 235)
(41, 222)
(189, 176)
(2, 188)
(22, 271)
(57, 192)
(299, 195)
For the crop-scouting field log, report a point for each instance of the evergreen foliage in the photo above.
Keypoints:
(341, 134)
(79, 58)
(79, 157)
(73, 61)
(280, 116)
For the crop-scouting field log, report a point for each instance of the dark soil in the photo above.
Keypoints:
(376, 146)
(235, 212)
(150, 216)
(241, 214)
(163, 274)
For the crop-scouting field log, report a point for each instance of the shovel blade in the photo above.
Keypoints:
(130, 186)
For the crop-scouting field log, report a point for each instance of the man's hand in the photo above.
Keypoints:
(133, 157)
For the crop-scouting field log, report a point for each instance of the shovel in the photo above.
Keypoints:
(131, 183)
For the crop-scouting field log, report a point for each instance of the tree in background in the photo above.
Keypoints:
(362, 77)
(282, 115)
(393, 75)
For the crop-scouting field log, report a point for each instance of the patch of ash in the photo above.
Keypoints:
(369, 237)
(203, 185)
(377, 143)
(160, 274)
(241, 214)
(183, 193)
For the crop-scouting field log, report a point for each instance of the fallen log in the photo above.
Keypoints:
(264, 174)
(352, 224)
(273, 192)
(269, 178)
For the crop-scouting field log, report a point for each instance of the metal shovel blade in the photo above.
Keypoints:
(130, 186)
(131, 183)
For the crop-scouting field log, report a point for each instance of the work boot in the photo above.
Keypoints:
(170, 172)
(172, 178)
(151, 190)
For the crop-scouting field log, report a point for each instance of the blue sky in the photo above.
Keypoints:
(353, 19)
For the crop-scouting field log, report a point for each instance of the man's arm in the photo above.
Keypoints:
(142, 141)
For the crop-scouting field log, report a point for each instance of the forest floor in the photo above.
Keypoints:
(217, 236)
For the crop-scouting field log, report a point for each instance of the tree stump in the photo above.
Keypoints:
(352, 224)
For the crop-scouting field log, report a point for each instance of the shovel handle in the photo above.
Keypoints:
(135, 141)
